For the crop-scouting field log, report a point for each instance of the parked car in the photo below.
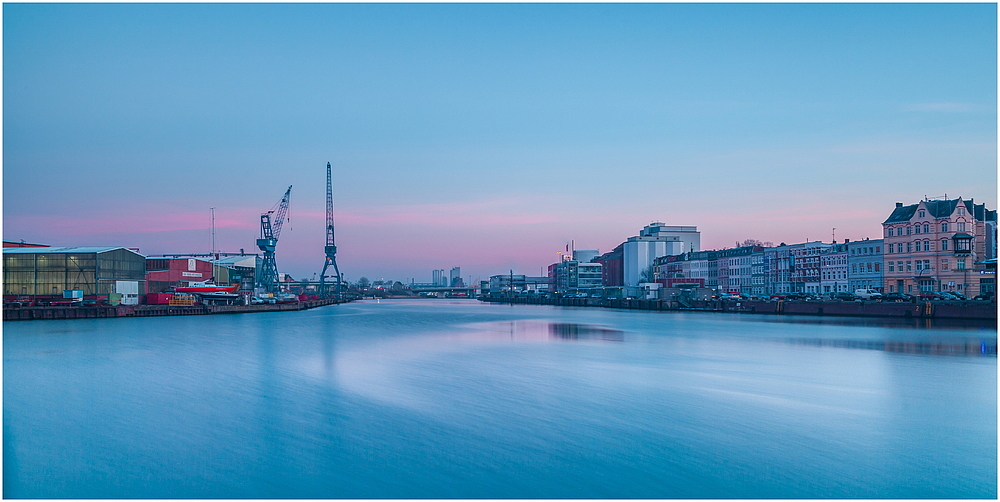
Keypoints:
(930, 296)
(779, 297)
(984, 296)
(868, 294)
(953, 295)
(732, 296)
(845, 296)
(897, 297)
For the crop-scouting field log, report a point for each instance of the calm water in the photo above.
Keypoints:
(441, 399)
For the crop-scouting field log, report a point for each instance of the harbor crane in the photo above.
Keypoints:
(269, 232)
(331, 247)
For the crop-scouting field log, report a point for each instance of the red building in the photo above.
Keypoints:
(611, 272)
(165, 273)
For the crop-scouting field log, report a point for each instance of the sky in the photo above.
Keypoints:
(487, 136)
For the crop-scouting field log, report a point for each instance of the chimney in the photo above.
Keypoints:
(846, 241)
(899, 204)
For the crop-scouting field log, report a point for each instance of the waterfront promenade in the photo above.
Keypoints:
(923, 309)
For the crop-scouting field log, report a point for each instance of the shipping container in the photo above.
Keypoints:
(158, 298)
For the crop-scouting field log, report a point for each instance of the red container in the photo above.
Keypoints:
(158, 298)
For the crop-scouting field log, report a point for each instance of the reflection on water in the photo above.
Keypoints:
(569, 331)
(969, 348)
(881, 322)
(460, 400)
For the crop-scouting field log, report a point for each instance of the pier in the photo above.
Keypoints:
(105, 311)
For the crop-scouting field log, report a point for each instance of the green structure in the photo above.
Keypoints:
(47, 271)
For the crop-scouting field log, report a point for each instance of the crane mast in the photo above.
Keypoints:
(330, 250)
(269, 232)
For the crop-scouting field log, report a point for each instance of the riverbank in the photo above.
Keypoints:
(107, 311)
(928, 310)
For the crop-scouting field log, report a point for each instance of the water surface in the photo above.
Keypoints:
(457, 399)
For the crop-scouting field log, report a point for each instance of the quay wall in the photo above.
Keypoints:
(931, 310)
(105, 311)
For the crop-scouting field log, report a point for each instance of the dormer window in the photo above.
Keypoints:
(922, 214)
(961, 211)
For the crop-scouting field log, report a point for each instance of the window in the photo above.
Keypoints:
(909, 247)
(908, 230)
(899, 266)
(961, 211)
(876, 267)
(927, 228)
(916, 229)
(922, 213)
(908, 268)
(944, 227)
(944, 244)
(961, 226)
(878, 249)
(927, 245)
(854, 268)
(891, 268)
(944, 264)
(961, 264)
(919, 265)
(888, 232)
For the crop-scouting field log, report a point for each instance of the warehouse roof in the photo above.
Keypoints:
(66, 250)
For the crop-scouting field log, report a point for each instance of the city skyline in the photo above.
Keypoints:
(487, 136)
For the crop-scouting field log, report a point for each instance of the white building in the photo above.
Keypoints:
(438, 278)
(833, 270)
(655, 240)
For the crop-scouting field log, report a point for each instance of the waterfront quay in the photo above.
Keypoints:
(106, 311)
(923, 310)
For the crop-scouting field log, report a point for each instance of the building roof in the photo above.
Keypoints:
(67, 250)
(961, 235)
(941, 209)
(22, 244)
(233, 260)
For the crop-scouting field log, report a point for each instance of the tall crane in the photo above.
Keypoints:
(331, 247)
(269, 232)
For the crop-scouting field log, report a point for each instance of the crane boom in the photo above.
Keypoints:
(269, 231)
(279, 216)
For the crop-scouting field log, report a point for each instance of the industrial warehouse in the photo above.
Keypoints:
(41, 281)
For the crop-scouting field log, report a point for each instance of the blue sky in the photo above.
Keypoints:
(487, 136)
